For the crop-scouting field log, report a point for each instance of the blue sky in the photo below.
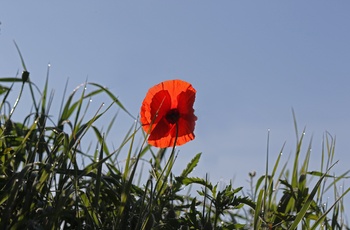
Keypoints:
(250, 61)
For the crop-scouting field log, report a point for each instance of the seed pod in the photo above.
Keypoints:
(25, 76)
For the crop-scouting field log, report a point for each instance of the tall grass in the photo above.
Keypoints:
(44, 185)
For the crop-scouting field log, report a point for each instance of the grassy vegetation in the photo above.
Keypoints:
(44, 185)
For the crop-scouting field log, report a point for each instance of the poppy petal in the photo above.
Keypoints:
(154, 109)
(161, 135)
(158, 113)
(186, 101)
(175, 87)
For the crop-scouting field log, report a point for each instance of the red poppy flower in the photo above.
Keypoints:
(167, 113)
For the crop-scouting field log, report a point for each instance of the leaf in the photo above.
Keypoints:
(259, 205)
(3, 89)
(309, 200)
(190, 166)
(321, 219)
(318, 173)
(196, 180)
(20, 55)
(114, 98)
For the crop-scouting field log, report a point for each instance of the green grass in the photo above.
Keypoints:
(45, 185)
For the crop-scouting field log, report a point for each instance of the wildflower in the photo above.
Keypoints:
(167, 113)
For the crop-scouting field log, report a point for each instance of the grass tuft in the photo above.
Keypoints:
(50, 178)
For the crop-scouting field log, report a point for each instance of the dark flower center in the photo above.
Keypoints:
(172, 116)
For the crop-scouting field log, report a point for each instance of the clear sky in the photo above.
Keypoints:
(250, 61)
